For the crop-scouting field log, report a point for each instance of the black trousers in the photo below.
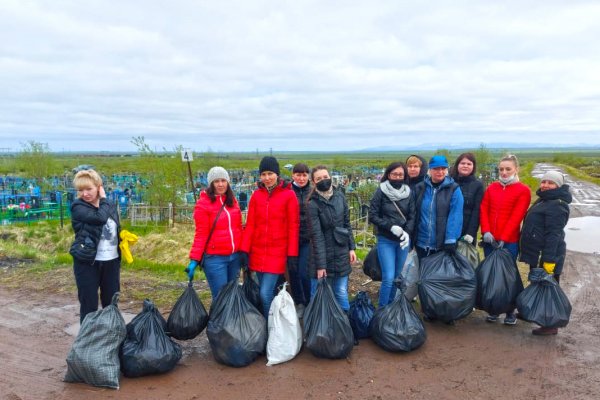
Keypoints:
(103, 275)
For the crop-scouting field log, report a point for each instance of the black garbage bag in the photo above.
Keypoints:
(371, 266)
(360, 314)
(543, 301)
(447, 286)
(94, 356)
(327, 330)
(397, 327)
(498, 283)
(147, 349)
(188, 317)
(236, 330)
(252, 290)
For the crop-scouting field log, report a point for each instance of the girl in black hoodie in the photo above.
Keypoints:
(463, 173)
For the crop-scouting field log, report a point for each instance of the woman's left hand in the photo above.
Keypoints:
(352, 257)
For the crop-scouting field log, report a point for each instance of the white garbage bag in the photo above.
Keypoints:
(285, 333)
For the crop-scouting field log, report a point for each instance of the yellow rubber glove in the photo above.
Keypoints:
(127, 239)
(549, 267)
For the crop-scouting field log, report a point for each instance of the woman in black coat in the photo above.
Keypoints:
(392, 211)
(463, 173)
(543, 233)
(331, 238)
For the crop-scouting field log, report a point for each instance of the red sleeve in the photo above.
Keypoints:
(249, 228)
(201, 220)
(513, 224)
(293, 218)
(484, 209)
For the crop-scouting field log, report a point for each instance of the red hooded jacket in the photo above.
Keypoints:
(503, 209)
(227, 236)
(271, 232)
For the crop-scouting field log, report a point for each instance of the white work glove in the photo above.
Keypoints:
(396, 230)
(489, 238)
(404, 240)
(468, 239)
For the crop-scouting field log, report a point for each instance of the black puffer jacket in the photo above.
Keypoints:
(88, 220)
(384, 215)
(472, 190)
(543, 233)
(412, 182)
(330, 234)
(302, 194)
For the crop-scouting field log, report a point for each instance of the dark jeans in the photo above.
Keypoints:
(103, 275)
(299, 279)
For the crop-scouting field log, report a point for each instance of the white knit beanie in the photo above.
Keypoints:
(217, 173)
(554, 176)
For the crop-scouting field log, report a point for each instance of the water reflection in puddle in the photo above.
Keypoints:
(582, 234)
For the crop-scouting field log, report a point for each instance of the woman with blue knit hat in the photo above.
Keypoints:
(272, 230)
(218, 234)
(439, 210)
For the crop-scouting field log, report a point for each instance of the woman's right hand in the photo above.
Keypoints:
(101, 192)
(321, 273)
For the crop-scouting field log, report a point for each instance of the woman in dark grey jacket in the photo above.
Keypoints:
(95, 251)
(331, 238)
(463, 173)
(392, 211)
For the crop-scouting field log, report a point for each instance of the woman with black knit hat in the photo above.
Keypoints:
(271, 232)
(463, 173)
(543, 234)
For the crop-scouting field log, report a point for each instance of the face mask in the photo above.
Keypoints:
(508, 180)
(396, 183)
(324, 185)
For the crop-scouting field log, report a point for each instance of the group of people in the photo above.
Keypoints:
(300, 231)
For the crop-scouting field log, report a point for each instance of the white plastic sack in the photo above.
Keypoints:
(410, 274)
(285, 333)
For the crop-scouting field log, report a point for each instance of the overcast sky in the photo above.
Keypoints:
(298, 75)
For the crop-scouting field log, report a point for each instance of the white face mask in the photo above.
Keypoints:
(508, 180)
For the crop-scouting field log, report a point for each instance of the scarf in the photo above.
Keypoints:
(394, 194)
(326, 195)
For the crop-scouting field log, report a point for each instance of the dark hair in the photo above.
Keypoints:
(300, 168)
(393, 166)
(229, 196)
(312, 178)
(468, 156)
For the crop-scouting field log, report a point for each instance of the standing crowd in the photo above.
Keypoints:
(300, 231)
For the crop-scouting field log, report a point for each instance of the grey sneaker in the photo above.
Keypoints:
(511, 319)
(491, 318)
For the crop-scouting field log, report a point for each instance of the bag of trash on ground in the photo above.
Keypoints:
(371, 266)
(543, 301)
(410, 274)
(147, 349)
(237, 331)
(188, 317)
(447, 286)
(94, 356)
(252, 290)
(326, 326)
(469, 251)
(498, 283)
(360, 315)
(285, 332)
(397, 326)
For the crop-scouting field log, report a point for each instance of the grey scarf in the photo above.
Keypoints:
(326, 195)
(394, 194)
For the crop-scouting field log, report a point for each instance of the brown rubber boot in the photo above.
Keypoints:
(545, 331)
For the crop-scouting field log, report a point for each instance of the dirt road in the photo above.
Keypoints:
(471, 360)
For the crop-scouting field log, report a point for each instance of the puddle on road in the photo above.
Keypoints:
(581, 234)
(73, 329)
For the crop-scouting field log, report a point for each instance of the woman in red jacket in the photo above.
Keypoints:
(503, 208)
(272, 229)
(220, 251)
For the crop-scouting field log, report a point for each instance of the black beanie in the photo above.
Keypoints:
(268, 163)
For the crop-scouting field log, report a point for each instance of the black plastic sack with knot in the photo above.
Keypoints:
(397, 327)
(237, 331)
(327, 330)
(447, 286)
(147, 349)
(360, 314)
(188, 317)
(371, 266)
(252, 290)
(498, 283)
(543, 301)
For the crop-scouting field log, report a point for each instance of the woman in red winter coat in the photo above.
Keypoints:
(272, 229)
(503, 208)
(221, 251)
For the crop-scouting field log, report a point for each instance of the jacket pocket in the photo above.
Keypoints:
(341, 236)
(83, 248)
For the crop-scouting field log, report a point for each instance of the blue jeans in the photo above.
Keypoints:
(267, 283)
(220, 270)
(340, 289)
(299, 279)
(513, 248)
(391, 258)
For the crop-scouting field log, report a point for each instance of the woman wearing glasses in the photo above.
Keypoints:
(392, 211)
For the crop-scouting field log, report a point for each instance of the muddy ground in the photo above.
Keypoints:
(471, 360)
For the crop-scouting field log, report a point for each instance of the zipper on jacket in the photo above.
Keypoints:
(431, 216)
(229, 227)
